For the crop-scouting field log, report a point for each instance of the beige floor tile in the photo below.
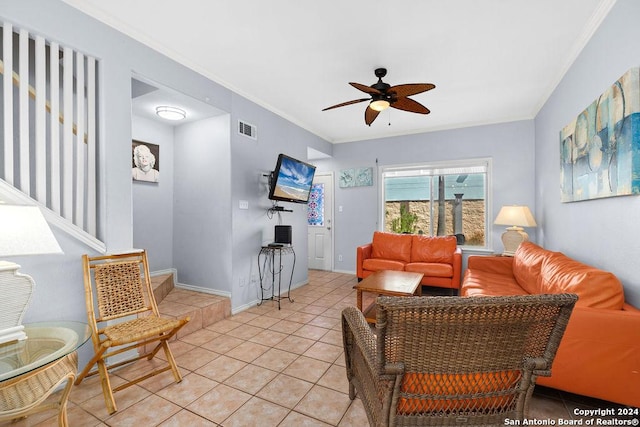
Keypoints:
(199, 337)
(222, 344)
(280, 314)
(285, 390)
(323, 351)
(311, 332)
(245, 332)
(295, 344)
(333, 337)
(221, 368)
(263, 321)
(247, 351)
(285, 326)
(224, 326)
(243, 317)
(296, 419)
(324, 321)
(251, 378)
(196, 358)
(324, 404)
(301, 317)
(336, 379)
(307, 369)
(355, 415)
(219, 403)
(187, 418)
(257, 412)
(268, 337)
(275, 359)
(313, 309)
(124, 399)
(191, 388)
(150, 411)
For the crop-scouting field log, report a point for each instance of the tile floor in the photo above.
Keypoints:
(264, 367)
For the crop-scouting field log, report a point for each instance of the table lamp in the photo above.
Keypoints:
(23, 231)
(516, 217)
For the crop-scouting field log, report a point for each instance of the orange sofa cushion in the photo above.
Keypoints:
(482, 283)
(446, 385)
(595, 288)
(376, 264)
(391, 246)
(438, 249)
(431, 269)
(527, 263)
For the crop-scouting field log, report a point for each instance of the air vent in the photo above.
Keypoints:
(248, 130)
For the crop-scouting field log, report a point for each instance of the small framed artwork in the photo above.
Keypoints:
(146, 161)
(356, 177)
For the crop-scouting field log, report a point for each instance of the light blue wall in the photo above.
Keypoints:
(202, 210)
(153, 202)
(510, 146)
(604, 232)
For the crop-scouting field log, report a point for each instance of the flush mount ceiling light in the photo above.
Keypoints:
(171, 113)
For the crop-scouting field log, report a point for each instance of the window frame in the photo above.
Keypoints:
(484, 162)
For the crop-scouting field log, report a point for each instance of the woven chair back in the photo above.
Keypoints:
(119, 289)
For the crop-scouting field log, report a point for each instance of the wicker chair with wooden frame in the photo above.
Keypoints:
(451, 360)
(127, 319)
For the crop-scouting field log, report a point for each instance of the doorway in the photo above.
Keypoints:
(320, 223)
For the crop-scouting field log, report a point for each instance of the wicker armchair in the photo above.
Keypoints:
(127, 318)
(450, 360)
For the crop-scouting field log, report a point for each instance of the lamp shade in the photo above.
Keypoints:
(519, 216)
(24, 231)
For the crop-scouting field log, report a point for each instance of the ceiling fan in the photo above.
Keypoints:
(384, 95)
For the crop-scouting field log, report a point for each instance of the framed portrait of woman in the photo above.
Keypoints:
(145, 161)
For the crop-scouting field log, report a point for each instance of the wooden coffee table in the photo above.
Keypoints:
(390, 283)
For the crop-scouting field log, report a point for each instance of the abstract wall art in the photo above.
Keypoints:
(600, 149)
(356, 177)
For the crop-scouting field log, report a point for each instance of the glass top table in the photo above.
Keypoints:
(46, 342)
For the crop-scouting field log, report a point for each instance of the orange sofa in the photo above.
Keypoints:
(599, 355)
(438, 258)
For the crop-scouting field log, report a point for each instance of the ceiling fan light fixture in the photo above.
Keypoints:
(379, 105)
(171, 113)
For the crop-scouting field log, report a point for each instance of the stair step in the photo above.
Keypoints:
(203, 309)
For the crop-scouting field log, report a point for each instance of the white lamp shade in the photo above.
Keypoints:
(24, 231)
(519, 216)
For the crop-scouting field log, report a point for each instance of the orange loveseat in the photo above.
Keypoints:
(599, 355)
(438, 258)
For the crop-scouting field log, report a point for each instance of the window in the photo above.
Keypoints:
(438, 200)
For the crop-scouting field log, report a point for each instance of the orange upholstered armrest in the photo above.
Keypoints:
(457, 267)
(362, 252)
(491, 264)
(600, 347)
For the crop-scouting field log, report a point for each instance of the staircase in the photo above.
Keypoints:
(203, 309)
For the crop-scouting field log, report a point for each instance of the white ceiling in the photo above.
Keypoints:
(491, 60)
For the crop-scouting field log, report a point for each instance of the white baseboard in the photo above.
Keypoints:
(203, 290)
(171, 271)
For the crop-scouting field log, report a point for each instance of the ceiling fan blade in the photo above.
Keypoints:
(408, 104)
(410, 89)
(355, 101)
(370, 115)
(366, 89)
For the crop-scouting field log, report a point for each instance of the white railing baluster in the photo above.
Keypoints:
(91, 146)
(23, 94)
(80, 142)
(7, 84)
(54, 120)
(67, 134)
(40, 169)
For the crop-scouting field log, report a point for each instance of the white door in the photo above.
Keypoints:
(320, 222)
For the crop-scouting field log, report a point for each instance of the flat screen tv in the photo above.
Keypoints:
(291, 180)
